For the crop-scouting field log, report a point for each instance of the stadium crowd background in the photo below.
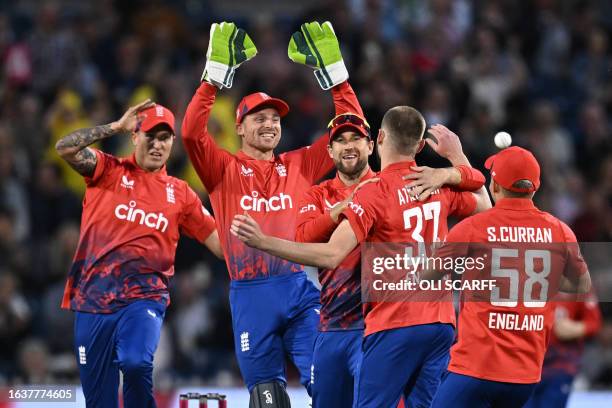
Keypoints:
(539, 69)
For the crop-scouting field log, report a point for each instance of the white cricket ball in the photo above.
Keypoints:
(503, 140)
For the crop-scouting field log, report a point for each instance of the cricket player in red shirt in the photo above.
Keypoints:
(575, 322)
(275, 308)
(406, 344)
(337, 350)
(133, 214)
(497, 360)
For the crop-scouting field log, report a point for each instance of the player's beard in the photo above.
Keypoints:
(354, 170)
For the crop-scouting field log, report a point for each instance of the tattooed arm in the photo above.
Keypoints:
(73, 147)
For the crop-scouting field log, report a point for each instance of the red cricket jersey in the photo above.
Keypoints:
(566, 356)
(268, 189)
(506, 342)
(340, 287)
(383, 211)
(129, 232)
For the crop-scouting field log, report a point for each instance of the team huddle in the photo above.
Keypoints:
(271, 218)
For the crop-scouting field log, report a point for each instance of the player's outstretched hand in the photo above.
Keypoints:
(425, 180)
(247, 230)
(130, 121)
(444, 142)
(316, 45)
(228, 47)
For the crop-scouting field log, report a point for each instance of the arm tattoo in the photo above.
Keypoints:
(84, 137)
(73, 148)
(84, 162)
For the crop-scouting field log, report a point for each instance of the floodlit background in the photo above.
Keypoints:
(539, 69)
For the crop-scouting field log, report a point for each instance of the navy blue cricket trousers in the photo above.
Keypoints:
(125, 340)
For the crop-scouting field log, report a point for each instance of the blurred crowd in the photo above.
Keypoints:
(538, 69)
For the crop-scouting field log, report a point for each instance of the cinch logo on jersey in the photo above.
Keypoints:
(357, 209)
(308, 207)
(132, 214)
(256, 203)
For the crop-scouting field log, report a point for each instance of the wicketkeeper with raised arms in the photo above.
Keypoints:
(275, 308)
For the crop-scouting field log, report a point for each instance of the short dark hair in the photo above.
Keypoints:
(405, 127)
(522, 184)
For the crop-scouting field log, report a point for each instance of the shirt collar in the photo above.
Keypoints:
(338, 184)
(402, 165)
(515, 204)
(132, 161)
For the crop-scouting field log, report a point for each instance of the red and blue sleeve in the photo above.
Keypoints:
(208, 159)
(196, 222)
(313, 224)
(316, 162)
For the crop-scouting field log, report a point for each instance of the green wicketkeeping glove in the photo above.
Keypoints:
(317, 46)
(229, 46)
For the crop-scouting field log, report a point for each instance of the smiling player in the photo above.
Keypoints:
(337, 351)
(274, 306)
